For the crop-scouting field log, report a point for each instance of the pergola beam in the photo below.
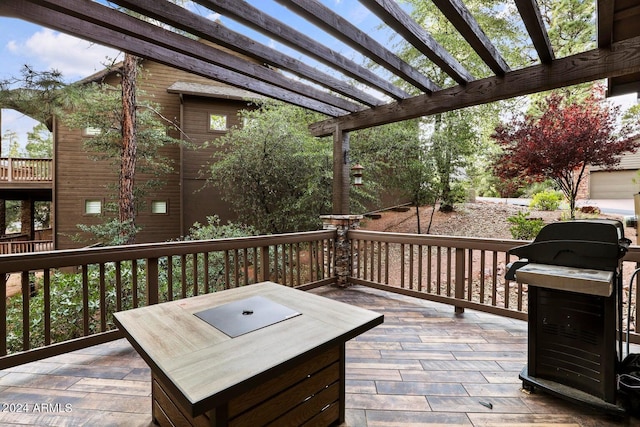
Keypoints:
(113, 19)
(256, 68)
(458, 14)
(530, 13)
(622, 58)
(246, 14)
(323, 17)
(392, 14)
(182, 19)
(605, 10)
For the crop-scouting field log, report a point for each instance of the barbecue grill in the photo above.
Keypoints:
(573, 270)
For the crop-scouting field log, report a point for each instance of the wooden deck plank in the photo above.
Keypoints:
(424, 366)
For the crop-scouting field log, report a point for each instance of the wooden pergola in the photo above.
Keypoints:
(240, 61)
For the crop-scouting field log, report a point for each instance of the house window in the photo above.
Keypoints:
(89, 131)
(159, 207)
(92, 207)
(217, 122)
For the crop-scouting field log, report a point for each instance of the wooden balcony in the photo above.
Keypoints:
(20, 243)
(25, 246)
(25, 169)
(26, 174)
(449, 352)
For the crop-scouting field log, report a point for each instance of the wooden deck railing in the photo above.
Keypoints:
(17, 243)
(32, 170)
(67, 297)
(460, 271)
(24, 246)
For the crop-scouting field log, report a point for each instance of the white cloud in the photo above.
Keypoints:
(73, 57)
(12, 46)
(357, 13)
(45, 50)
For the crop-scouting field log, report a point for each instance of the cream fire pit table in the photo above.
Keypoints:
(250, 356)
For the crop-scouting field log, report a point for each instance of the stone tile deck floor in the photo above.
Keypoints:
(425, 366)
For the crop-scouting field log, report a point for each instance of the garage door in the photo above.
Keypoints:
(613, 184)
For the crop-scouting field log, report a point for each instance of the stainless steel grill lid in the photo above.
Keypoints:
(595, 244)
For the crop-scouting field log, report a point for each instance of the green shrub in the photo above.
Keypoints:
(524, 228)
(538, 187)
(66, 308)
(548, 200)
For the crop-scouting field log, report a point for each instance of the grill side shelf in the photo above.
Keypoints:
(581, 280)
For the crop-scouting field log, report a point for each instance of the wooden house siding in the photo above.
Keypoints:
(201, 200)
(79, 178)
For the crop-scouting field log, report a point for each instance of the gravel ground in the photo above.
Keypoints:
(480, 219)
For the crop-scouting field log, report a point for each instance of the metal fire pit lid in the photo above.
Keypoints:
(580, 280)
(240, 317)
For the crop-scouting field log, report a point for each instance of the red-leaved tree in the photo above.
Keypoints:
(561, 142)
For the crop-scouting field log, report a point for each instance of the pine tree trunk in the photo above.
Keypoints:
(126, 205)
(433, 211)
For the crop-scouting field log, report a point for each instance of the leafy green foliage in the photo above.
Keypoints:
(110, 232)
(39, 142)
(451, 146)
(213, 229)
(547, 200)
(10, 145)
(571, 25)
(66, 309)
(538, 187)
(12, 215)
(457, 143)
(524, 228)
(393, 155)
(38, 94)
(275, 175)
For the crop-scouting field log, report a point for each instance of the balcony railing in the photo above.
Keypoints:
(68, 297)
(25, 170)
(95, 282)
(461, 271)
(24, 246)
(19, 243)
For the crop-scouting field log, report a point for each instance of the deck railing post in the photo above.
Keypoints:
(342, 246)
(152, 281)
(265, 270)
(459, 278)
